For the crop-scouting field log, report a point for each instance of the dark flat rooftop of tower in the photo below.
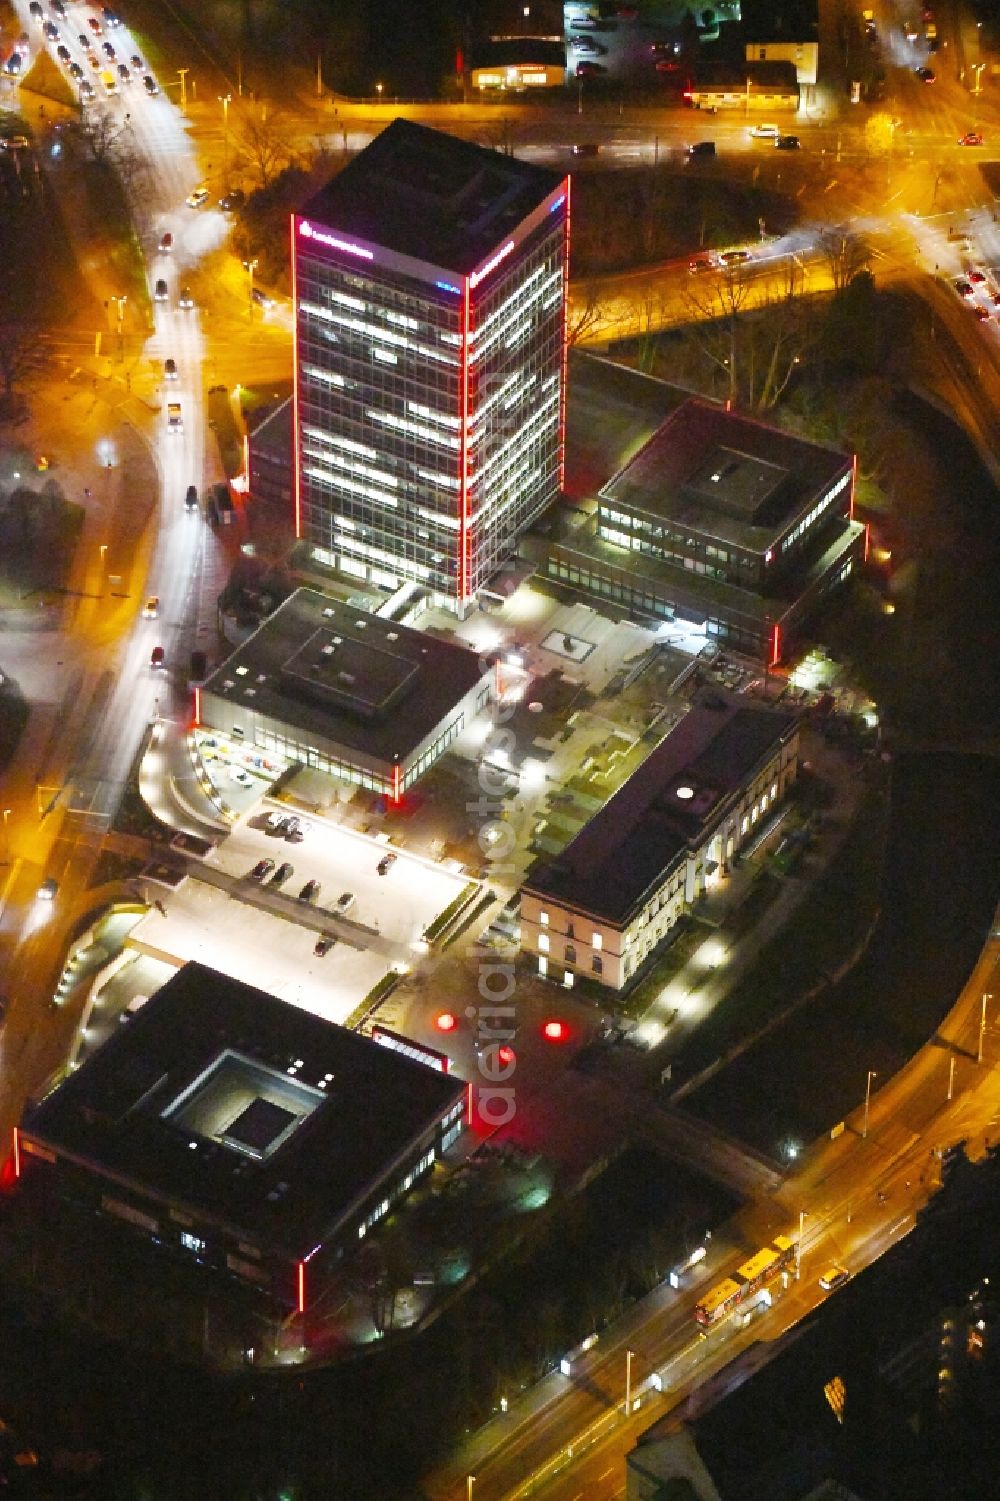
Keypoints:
(370, 684)
(426, 194)
(248, 1111)
(725, 475)
(663, 808)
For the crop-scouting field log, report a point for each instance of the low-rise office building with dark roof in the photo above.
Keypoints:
(721, 521)
(356, 695)
(250, 1135)
(752, 86)
(607, 902)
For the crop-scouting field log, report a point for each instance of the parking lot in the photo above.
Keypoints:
(266, 937)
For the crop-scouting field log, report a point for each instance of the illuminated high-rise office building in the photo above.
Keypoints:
(430, 282)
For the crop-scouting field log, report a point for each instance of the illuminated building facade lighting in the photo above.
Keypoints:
(429, 285)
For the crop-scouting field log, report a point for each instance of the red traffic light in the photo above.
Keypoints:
(505, 1053)
(445, 1022)
(554, 1031)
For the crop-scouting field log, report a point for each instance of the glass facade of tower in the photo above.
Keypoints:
(429, 406)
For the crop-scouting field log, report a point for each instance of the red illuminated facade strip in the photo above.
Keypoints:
(854, 480)
(868, 539)
(775, 644)
(297, 466)
(17, 1152)
(463, 450)
(565, 340)
(301, 1303)
(397, 784)
(197, 706)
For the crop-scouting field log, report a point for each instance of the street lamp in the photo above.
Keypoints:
(470, 1481)
(225, 100)
(798, 1245)
(629, 1356)
(987, 997)
(378, 90)
(872, 1074)
(977, 68)
(251, 266)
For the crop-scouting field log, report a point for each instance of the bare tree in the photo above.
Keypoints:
(845, 253)
(263, 145)
(586, 315)
(753, 332)
(21, 354)
(102, 133)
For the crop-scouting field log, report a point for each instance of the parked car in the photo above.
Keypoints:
(149, 83)
(345, 902)
(386, 863)
(323, 946)
(309, 892)
(262, 870)
(284, 871)
(235, 198)
(589, 70)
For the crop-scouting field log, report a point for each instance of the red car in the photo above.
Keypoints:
(971, 138)
(589, 70)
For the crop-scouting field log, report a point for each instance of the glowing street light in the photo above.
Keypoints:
(378, 90)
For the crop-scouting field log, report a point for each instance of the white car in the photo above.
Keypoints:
(198, 197)
(48, 890)
(765, 132)
(151, 608)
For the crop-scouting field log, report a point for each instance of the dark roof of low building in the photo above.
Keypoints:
(252, 1113)
(666, 807)
(512, 52)
(353, 678)
(423, 193)
(611, 411)
(726, 476)
(765, 76)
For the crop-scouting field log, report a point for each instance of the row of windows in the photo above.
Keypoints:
(644, 601)
(403, 1186)
(821, 505)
